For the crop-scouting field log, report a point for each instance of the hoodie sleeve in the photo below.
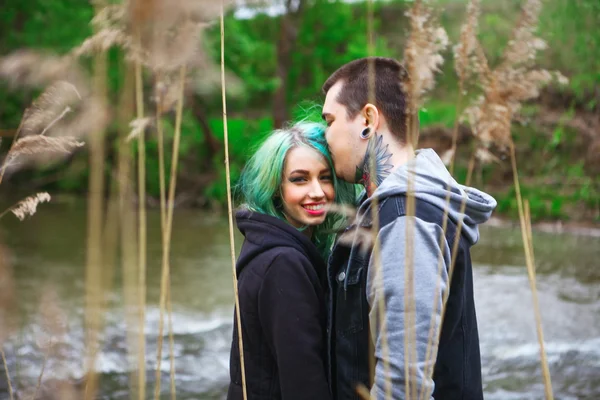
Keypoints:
(387, 287)
(291, 312)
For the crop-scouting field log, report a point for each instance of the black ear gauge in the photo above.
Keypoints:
(365, 133)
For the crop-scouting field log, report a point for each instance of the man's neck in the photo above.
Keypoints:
(382, 157)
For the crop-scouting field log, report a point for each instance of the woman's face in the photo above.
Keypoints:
(307, 187)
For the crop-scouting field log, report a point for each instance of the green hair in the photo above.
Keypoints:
(260, 182)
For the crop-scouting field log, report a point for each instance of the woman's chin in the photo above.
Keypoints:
(315, 221)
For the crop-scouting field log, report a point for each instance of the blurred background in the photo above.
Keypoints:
(277, 56)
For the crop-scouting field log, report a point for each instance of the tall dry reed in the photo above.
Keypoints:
(374, 230)
(142, 230)
(128, 231)
(422, 59)
(463, 52)
(95, 241)
(7, 303)
(515, 80)
(230, 213)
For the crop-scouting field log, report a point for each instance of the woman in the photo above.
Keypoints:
(286, 188)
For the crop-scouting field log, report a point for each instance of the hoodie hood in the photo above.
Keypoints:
(264, 232)
(433, 183)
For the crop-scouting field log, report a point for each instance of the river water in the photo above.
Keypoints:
(47, 254)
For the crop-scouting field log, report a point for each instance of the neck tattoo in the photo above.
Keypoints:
(383, 166)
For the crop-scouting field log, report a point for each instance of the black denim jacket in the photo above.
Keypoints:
(457, 372)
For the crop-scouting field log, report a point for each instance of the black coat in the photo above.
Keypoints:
(282, 302)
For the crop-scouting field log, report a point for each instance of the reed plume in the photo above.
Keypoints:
(169, 31)
(422, 59)
(28, 68)
(463, 53)
(34, 145)
(68, 87)
(28, 206)
(506, 87)
(465, 48)
(52, 105)
(138, 127)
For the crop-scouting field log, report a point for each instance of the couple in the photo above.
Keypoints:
(311, 327)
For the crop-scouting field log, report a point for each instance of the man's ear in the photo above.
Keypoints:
(372, 116)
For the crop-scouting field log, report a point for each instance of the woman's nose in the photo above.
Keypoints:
(316, 191)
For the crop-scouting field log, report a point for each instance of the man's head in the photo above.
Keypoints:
(363, 97)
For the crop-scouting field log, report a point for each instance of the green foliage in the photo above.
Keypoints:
(329, 34)
(244, 135)
(437, 113)
(217, 190)
(543, 203)
(570, 28)
(249, 53)
(47, 25)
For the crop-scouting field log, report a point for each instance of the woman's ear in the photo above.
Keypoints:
(372, 117)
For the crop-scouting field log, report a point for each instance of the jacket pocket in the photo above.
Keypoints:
(350, 299)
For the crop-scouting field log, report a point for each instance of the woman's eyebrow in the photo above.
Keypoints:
(299, 171)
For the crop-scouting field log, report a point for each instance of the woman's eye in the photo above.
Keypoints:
(296, 179)
(326, 177)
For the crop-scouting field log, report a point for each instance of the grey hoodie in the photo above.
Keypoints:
(429, 182)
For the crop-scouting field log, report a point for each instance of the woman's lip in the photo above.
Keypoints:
(315, 212)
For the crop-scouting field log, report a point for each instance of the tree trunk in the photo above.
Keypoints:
(280, 112)
(288, 31)
(209, 138)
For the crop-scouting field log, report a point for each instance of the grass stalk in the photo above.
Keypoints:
(434, 334)
(459, 102)
(376, 254)
(432, 326)
(165, 249)
(525, 222)
(14, 141)
(10, 389)
(410, 350)
(142, 232)
(363, 392)
(127, 220)
(161, 170)
(171, 344)
(371, 96)
(40, 376)
(95, 217)
(230, 209)
(378, 273)
(165, 281)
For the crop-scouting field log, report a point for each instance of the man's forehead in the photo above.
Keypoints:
(331, 104)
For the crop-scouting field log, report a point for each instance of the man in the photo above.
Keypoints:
(362, 349)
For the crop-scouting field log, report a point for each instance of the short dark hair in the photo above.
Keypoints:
(390, 98)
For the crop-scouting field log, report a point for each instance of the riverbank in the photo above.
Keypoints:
(589, 229)
(46, 258)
